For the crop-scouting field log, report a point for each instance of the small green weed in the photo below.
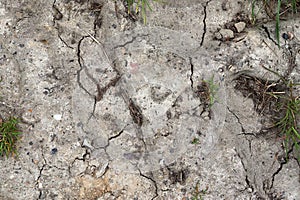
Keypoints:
(197, 193)
(140, 5)
(9, 135)
(195, 141)
(207, 91)
(213, 88)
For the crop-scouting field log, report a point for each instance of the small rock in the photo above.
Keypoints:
(218, 36)
(87, 144)
(240, 26)
(99, 142)
(57, 117)
(78, 167)
(102, 170)
(226, 34)
(205, 114)
(53, 151)
(250, 190)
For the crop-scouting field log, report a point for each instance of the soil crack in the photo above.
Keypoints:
(115, 136)
(248, 182)
(153, 181)
(204, 23)
(238, 120)
(80, 60)
(64, 42)
(57, 15)
(192, 72)
(100, 90)
(131, 41)
(40, 175)
(268, 34)
(282, 162)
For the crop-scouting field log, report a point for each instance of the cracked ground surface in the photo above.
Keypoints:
(111, 108)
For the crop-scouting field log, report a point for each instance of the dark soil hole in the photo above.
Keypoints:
(278, 103)
(264, 93)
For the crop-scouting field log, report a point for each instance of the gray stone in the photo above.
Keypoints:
(240, 26)
(102, 170)
(226, 34)
(87, 144)
(99, 142)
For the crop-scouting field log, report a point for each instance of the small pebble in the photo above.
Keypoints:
(87, 144)
(57, 116)
(285, 36)
(240, 26)
(205, 114)
(53, 151)
(226, 33)
(288, 36)
(291, 35)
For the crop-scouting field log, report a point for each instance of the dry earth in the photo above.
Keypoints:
(110, 107)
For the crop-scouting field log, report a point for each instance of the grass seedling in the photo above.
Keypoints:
(253, 13)
(288, 123)
(199, 194)
(213, 88)
(195, 141)
(207, 91)
(140, 5)
(294, 6)
(9, 135)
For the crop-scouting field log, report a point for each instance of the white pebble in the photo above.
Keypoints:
(57, 116)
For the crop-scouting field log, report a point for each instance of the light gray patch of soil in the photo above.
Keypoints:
(147, 118)
(111, 108)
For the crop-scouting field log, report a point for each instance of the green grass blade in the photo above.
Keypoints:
(277, 23)
(294, 6)
(296, 133)
(144, 10)
(129, 4)
(148, 5)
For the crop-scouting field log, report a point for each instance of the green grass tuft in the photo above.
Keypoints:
(287, 125)
(9, 135)
(289, 106)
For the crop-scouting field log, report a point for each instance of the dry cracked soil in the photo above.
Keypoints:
(111, 108)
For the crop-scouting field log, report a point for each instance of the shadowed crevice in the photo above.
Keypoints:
(204, 23)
